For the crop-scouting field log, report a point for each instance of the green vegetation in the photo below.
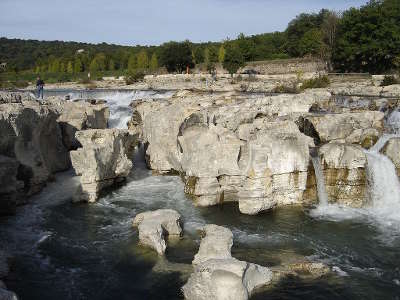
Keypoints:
(389, 80)
(365, 39)
(315, 83)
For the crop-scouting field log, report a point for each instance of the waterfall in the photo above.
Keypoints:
(384, 185)
(119, 101)
(319, 176)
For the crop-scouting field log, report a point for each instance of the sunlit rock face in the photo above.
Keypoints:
(344, 168)
(217, 275)
(229, 148)
(392, 150)
(363, 128)
(31, 135)
(155, 226)
(104, 159)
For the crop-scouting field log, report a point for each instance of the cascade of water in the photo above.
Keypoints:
(384, 184)
(319, 175)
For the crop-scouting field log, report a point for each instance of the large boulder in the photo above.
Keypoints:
(7, 295)
(344, 168)
(31, 135)
(363, 128)
(154, 226)
(104, 159)
(15, 97)
(217, 275)
(392, 150)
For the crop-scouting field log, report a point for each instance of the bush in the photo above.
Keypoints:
(389, 80)
(286, 89)
(134, 76)
(315, 83)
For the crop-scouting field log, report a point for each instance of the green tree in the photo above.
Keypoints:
(234, 59)
(368, 38)
(94, 68)
(311, 43)
(221, 54)
(70, 68)
(142, 60)
(55, 66)
(111, 65)
(154, 62)
(198, 55)
(132, 62)
(176, 56)
(78, 66)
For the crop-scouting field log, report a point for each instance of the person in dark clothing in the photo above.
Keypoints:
(39, 86)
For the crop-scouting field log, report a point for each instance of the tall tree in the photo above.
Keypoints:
(234, 59)
(154, 62)
(177, 56)
(78, 66)
(221, 54)
(142, 60)
(70, 68)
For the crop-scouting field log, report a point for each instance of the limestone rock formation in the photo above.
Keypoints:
(362, 128)
(78, 115)
(154, 226)
(217, 275)
(4, 270)
(15, 97)
(31, 135)
(104, 159)
(392, 150)
(7, 295)
(229, 148)
(344, 167)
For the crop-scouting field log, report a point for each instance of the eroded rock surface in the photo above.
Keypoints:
(344, 168)
(31, 135)
(154, 226)
(363, 128)
(217, 275)
(104, 159)
(9, 185)
(392, 150)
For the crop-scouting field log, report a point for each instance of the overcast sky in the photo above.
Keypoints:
(151, 22)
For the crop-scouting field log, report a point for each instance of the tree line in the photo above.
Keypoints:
(365, 39)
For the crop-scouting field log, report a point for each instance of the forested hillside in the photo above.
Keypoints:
(365, 39)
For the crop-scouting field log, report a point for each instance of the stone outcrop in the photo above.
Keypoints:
(230, 148)
(217, 275)
(363, 128)
(344, 168)
(79, 115)
(104, 159)
(154, 226)
(392, 150)
(31, 135)
(15, 97)
(5, 294)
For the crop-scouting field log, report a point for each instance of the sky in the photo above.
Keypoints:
(152, 22)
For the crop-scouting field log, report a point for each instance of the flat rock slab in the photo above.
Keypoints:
(155, 225)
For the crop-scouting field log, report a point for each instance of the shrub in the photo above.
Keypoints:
(315, 83)
(389, 80)
(286, 89)
(134, 76)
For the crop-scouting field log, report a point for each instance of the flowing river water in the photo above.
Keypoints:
(80, 251)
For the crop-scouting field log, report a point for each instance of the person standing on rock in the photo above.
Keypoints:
(39, 86)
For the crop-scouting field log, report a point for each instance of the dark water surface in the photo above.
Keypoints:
(80, 251)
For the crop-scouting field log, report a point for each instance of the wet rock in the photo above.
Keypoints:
(344, 168)
(154, 226)
(363, 128)
(7, 295)
(219, 276)
(392, 150)
(104, 159)
(216, 243)
(31, 135)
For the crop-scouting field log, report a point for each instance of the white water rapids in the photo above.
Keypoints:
(383, 189)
